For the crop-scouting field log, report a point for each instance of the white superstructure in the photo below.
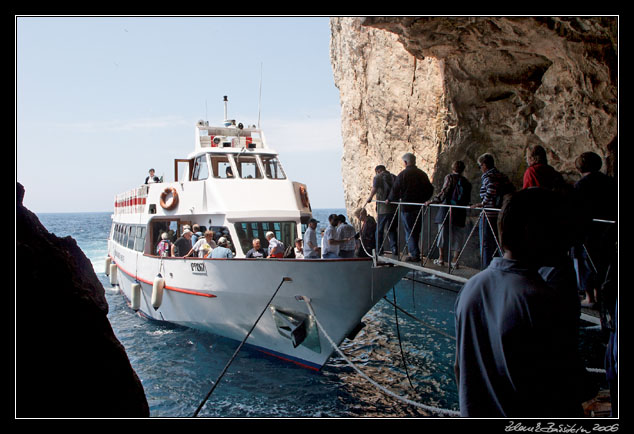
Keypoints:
(234, 184)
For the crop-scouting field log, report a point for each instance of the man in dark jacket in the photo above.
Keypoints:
(599, 194)
(411, 185)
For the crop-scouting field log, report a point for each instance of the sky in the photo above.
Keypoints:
(100, 100)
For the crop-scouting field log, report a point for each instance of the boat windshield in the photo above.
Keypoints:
(272, 167)
(221, 166)
(247, 167)
(286, 232)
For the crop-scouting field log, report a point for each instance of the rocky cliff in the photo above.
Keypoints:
(68, 361)
(448, 88)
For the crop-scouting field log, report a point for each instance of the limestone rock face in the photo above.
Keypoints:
(69, 363)
(448, 88)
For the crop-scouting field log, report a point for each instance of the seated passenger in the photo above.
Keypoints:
(296, 251)
(299, 249)
(204, 245)
(164, 246)
(257, 251)
(276, 247)
(222, 251)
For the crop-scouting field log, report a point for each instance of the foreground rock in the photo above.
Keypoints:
(68, 361)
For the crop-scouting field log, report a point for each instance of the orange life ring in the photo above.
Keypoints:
(304, 196)
(170, 204)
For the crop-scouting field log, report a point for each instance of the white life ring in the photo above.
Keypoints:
(135, 296)
(157, 292)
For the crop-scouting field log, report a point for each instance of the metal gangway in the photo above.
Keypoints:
(468, 260)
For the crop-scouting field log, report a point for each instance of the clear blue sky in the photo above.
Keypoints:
(100, 100)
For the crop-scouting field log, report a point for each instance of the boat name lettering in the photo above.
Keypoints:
(198, 267)
(119, 256)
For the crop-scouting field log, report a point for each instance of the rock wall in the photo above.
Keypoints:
(448, 88)
(68, 361)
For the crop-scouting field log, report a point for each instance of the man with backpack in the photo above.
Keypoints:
(495, 185)
(381, 187)
(456, 190)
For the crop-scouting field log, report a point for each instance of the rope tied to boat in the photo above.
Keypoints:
(374, 383)
(202, 404)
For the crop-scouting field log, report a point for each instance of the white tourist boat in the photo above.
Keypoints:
(226, 296)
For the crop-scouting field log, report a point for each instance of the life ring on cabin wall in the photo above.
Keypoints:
(303, 195)
(172, 202)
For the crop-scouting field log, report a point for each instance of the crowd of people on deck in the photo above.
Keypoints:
(541, 247)
(517, 321)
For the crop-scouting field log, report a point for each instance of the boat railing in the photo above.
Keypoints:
(468, 259)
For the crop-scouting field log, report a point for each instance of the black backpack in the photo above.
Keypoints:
(461, 194)
(504, 187)
(387, 181)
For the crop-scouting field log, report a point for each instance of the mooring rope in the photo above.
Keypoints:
(398, 332)
(374, 383)
(202, 404)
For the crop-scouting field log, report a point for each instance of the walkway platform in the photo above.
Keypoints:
(462, 274)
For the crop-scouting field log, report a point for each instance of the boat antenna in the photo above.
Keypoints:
(260, 98)
(225, 100)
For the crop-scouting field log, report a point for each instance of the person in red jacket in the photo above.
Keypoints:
(539, 173)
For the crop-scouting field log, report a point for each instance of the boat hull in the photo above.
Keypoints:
(226, 297)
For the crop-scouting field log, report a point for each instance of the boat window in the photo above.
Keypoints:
(248, 167)
(139, 243)
(286, 232)
(131, 236)
(201, 171)
(221, 166)
(272, 167)
(124, 235)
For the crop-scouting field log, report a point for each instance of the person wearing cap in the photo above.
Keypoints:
(183, 246)
(311, 249)
(299, 249)
(222, 251)
(296, 251)
(151, 179)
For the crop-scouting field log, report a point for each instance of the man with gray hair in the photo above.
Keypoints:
(411, 185)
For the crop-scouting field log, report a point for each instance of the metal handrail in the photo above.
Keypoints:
(430, 249)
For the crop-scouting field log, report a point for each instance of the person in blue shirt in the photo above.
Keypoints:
(516, 352)
(222, 250)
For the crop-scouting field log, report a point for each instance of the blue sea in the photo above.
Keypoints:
(412, 357)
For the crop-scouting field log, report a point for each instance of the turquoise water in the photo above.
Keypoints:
(177, 365)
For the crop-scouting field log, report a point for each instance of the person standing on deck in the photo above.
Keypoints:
(495, 185)
(381, 187)
(411, 185)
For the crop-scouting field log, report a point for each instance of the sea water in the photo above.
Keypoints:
(412, 356)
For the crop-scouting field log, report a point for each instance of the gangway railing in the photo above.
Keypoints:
(466, 262)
